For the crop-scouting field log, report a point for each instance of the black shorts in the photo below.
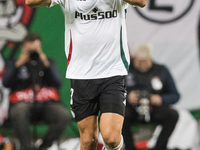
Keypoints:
(88, 97)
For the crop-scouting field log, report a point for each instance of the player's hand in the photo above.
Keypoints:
(140, 3)
(133, 98)
(37, 3)
(156, 99)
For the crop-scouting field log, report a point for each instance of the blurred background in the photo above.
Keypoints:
(172, 27)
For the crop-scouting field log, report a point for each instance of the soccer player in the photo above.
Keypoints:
(97, 61)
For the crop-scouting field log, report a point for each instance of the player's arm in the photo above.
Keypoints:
(140, 3)
(37, 3)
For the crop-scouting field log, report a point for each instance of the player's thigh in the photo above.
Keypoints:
(111, 126)
(88, 128)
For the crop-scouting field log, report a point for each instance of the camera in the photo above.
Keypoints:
(33, 55)
(144, 108)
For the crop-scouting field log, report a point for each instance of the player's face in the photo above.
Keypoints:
(142, 64)
(35, 45)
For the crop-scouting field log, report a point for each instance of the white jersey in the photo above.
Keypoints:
(95, 38)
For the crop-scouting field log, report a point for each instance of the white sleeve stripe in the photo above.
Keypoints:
(55, 2)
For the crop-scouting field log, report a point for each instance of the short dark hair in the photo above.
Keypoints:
(30, 37)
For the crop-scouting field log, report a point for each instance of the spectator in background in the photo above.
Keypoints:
(149, 81)
(34, 81)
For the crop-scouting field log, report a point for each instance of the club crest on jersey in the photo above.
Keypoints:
(96, 15)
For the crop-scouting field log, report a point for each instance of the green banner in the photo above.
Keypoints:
(49, 23)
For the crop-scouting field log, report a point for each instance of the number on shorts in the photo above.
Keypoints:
(71, 100)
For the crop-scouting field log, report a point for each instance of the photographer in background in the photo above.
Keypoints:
(34, 81)
(151, 91)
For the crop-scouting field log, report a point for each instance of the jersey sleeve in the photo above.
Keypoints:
(56, 2)
(125, 4)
